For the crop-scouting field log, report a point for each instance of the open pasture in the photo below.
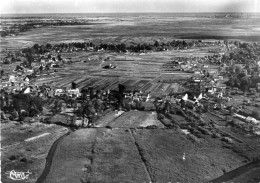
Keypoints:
(130, 28)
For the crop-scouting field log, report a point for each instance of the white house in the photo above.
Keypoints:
(27, 90)
(12, 78)
(58, 92)
(75, 92)
(251, 120)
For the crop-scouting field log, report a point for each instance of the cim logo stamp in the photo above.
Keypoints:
(18, 175)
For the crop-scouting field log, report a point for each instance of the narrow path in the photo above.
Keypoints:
(86, 174)
(142, 157)
(49, 158)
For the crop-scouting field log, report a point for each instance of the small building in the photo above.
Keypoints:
(59, 92)
(26, 79)
(12, 78)
(252, 120)
(74, 92)
(27, 90)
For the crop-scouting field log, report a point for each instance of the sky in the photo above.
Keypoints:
(127, 6)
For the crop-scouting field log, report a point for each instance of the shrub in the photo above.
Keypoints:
(27, 103)
(204, 131)
(160, 116)
(216, 135)
(33, 112)
(152, 127)
(21, 118)
(227, 139)
(256, 114)
(194, 138)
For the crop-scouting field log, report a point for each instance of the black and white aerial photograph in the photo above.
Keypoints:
(130, 91)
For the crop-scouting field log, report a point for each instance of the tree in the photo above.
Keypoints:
(254, 80)
(231, 55)
(31, 105)
(167, 107)
(98, 105)
(88, 110)
(123, 47)
(231, 69)
(57, 106)
(241, 75)
(59, 57)
(245, 83)
(231, 82)
(36, 46)
(238, 69)
(84, 92)
(91, 44)
(237, 43)
(156, 44)
(30, 59)
(121, 89)
(256, 114)
(91, 92)
(73, 85)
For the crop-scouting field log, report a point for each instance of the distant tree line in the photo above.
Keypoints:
(17, 28)
(120, 47)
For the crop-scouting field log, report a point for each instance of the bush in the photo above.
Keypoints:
(204, 131)
(256, 114)
(33, 112)
(216, 135)
(160, 117)
(152, 127)
(21, 118)
(194, 138)
(228, 140)
(27, 103)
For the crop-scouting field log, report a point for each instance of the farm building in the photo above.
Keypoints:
(252, 120)
(12, 78)
(59, 92)
(74, 92)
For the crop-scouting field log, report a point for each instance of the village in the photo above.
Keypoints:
(77, 85)
(209, 77)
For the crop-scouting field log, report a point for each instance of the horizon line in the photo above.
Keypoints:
(128, 12)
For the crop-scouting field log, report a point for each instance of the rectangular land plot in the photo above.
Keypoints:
(163, 151)
(116, 159)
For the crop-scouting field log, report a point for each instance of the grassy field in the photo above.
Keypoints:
(124, 152)
(20, 154)
(143, 72)
(97, 155)
(120, 148)
(163, 150)
(143, 28)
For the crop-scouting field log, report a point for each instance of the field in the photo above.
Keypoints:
(142, 72)
(142, 28)
(121, 147)
(133, 146)
(25, 147)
